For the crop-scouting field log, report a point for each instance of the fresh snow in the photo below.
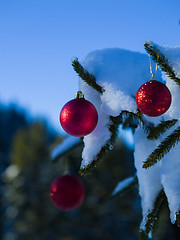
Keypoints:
(174, 110)
(170, 178)
(170, 164)
(65, 146)
(117, 102)
(100, 136)
(149, 179)
(120, 73)
(122, 185)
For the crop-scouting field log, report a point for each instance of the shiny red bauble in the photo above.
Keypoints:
(67, 192)
(153, 98)
(78, 117)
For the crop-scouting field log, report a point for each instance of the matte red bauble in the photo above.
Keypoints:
(67, 192)
(78, 117)
(153, 98)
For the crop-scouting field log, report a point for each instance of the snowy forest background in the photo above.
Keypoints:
(27, 172)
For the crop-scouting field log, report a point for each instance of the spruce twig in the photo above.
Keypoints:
(163, 148)
(161, 128)
(127, 121)
(130, 120)
(162, 61)
(133, 118)
(153, 216)
(113, 128)
(86, 76)
(147, 126)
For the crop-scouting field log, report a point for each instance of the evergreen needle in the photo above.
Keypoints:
(153, 216)
(86, 76)
(163, 148)
(161, 128)
(161, 60)
(113, 128)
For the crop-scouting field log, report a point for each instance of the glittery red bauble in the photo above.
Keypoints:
(67, 192)
(78, 117)
(153, 98)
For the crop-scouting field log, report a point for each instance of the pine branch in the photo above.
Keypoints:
(134, 119)
(153, 216)
(161, 60)
(126, 188)
(86, 76)
(163, 148)
(130, 120)
(147, 126)
(138, 116)
(127, 121)
(161, 128)
(113, 128)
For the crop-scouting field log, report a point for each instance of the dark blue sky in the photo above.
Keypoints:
(38, 39)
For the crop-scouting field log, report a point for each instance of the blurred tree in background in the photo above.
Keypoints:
(27, 212)
(12, 119)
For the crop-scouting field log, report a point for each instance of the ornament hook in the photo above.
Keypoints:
(153, 74)
(79, 94)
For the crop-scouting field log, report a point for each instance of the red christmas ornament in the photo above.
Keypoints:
(79, 117)
(153, 98)
(67, 192)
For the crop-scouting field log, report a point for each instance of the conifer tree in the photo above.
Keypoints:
(166, 132)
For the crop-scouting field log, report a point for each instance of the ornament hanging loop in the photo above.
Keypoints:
(153, 74)
(79, 94)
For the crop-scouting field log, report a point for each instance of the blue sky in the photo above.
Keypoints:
(38, 39)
